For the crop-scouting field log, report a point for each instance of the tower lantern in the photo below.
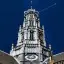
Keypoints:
(31, 45)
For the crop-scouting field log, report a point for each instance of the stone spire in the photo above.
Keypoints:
(20, 28)
(51, 55)
(44, 36)
(19, 36)
(50, 47)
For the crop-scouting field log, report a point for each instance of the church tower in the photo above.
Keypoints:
(31, 45)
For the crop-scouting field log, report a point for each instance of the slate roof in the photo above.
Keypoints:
(5, 58)
(58, 57)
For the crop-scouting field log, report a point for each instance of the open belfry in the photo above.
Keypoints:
(31, 45)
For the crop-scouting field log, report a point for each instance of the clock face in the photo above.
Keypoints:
(31, 57)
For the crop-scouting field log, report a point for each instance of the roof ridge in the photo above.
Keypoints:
(58, 54)
(5, 52)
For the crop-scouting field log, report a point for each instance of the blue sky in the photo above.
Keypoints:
(11, 16)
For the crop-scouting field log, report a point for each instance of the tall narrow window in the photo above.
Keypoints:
(31, 20)
(31, 16)
(31, 35)
(31, 23)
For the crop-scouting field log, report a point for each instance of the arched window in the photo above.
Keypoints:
(31, 23)
(31, 35)
(31, 20)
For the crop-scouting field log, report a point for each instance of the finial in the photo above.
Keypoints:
(51, 56)
(49, 46)
(20, 28)
(12, 46)
(43, 27)
(31, 4)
